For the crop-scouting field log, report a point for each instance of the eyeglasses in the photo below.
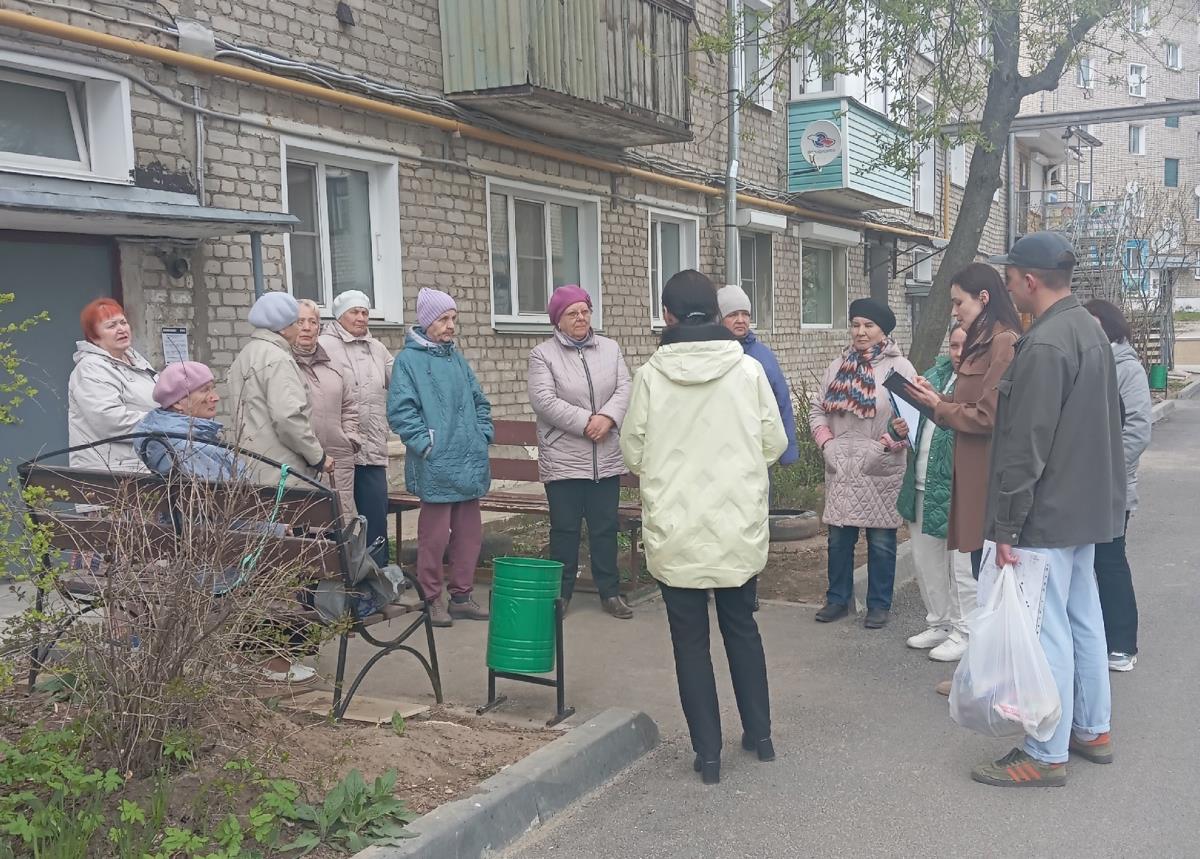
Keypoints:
(579, 314)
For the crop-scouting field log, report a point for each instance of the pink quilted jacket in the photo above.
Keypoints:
(862, 477)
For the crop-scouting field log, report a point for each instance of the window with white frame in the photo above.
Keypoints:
(59, 118)
(925, 179)
(1171, 172)
(755, 27)
(812, 72)
(348, 204)
(958, 165)
(757, 275)
(1198, 208)
(1139, 16)
(1137, 80)
(674, 247)
(1083, 191)
(1174, 56)
(822, 285)
(541, 239)
(922, 270)
(1085, 74)
(1137, 139)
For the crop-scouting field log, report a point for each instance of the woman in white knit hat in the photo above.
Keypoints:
(366, 365)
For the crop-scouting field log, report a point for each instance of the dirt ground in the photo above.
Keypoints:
(442, 755)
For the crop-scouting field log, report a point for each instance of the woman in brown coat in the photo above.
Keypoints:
(334, 409)
(984, 308)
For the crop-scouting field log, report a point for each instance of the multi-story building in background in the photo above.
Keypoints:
(1131, 190)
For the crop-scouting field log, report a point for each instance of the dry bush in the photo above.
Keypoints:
(196, 595)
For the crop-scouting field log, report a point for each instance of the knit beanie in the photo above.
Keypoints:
(876, 311)
(178, 380)
(563, 298)
(731, 299)
(691, 297)
(348, 300)
(432, 303)
(274, 311)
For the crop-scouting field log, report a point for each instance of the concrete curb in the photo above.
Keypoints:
(525, 795)
(905, 572)
(1164, 409)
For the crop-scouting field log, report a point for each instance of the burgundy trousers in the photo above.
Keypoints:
(459, 527)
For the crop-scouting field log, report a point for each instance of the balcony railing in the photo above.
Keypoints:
(611, 71)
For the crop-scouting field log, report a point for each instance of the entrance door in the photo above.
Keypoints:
(59, 276)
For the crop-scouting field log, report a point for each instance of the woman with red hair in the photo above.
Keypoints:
(111, 389)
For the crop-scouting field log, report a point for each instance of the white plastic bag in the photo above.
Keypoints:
(1003, 686)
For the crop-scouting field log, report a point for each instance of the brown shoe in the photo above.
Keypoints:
(617, 607)
(438, 615)
(468, 610)
(1098, 751)
(943, 688)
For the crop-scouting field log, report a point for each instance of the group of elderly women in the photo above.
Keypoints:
(700, 424)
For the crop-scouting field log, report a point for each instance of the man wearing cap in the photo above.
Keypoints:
(1057, 488)
(735, 315)
(366, 364)
(270, 403)
(439, 411)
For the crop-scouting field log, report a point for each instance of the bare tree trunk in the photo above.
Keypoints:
(1003, 103)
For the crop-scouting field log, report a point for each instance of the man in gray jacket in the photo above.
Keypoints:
(1057, 488)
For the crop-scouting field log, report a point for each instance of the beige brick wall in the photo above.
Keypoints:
(443, 214)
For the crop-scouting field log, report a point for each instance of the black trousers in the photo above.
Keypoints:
(687, 614)
(571, 502)
(1117, 600)
(370, 497)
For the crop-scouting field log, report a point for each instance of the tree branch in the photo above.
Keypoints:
(1048, 76)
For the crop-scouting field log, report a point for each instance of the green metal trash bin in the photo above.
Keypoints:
(1158, 377)
(521, 630)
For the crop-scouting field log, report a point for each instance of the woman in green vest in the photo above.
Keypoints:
(943, 575)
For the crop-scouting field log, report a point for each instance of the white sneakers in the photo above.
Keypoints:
(929, 638)
(950, 650)
(1121, 661)
(297, 673)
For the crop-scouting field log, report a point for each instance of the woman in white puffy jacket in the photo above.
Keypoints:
(111, 389)
(702, 428)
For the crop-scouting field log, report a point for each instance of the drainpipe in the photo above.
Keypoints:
(732, 267)
(1012, 193)
(256, 264)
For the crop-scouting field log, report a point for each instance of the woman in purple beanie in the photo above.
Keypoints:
(579, 390)
(439, 411)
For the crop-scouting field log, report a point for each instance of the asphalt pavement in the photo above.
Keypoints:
(871, 765)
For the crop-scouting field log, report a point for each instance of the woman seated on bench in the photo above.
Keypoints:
(187, 399)
(187, 405)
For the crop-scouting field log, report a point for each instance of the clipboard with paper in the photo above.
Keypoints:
(903, 389)
(901, 408)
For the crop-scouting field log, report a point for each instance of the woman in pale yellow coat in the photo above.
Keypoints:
(702, 428)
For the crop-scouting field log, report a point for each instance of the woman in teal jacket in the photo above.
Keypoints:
(943, 575)
(437, 408)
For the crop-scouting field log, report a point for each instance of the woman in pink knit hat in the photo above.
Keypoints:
(579, 390)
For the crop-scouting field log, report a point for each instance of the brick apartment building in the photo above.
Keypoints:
(390, 145)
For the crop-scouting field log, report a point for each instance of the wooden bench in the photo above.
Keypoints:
(525, 469)
(312, 539)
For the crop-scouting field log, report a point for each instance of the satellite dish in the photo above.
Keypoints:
(1196, 190)
(821, 143)
(1133, 187)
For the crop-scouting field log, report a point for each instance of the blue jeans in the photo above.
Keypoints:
(881, 565)
(1073, 638)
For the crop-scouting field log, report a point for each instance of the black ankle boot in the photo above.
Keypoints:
(710, 771)
(764, 748)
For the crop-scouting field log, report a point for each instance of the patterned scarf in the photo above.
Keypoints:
(853, 388)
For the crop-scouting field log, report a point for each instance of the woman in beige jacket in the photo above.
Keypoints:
(270, 404)
(366, 365)
(331, 398)
(579, 390)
